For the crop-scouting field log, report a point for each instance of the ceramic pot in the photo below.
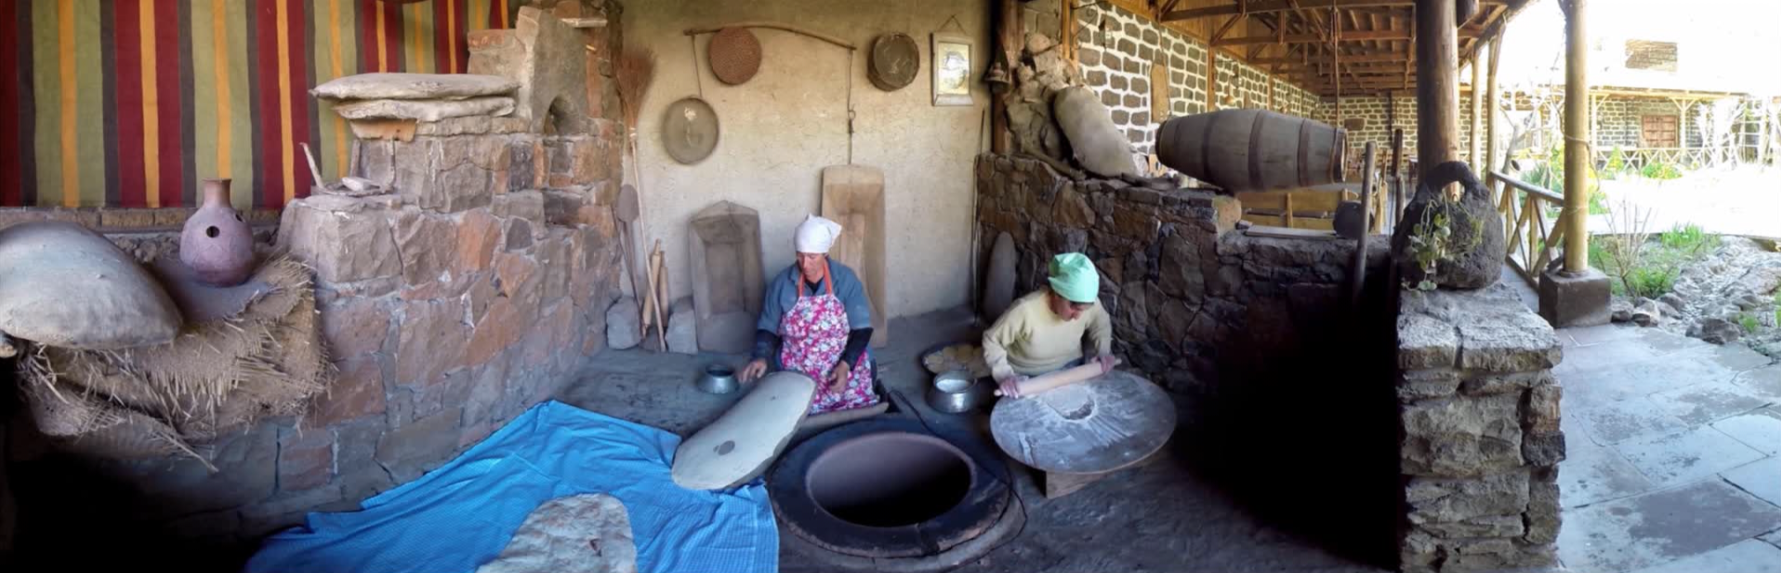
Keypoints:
(216, 242)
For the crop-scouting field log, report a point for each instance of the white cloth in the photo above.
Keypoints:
(816, 235)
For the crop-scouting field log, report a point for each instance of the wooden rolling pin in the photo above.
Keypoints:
(1058, 379)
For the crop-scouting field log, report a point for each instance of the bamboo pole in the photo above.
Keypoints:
(1437, 85)
(1358, 277)
(1576, 212)
(1490, 108)
(1475, 145)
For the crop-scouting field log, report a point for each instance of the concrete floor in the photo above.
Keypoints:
(1672, 447)
(1672, 450)
(1180, 513)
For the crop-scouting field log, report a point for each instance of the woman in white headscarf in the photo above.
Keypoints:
(816, 320)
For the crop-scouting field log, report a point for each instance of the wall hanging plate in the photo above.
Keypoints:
(735, 55)
(895, 61)
(689, 130)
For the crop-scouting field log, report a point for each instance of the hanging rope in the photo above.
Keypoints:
(692, 44)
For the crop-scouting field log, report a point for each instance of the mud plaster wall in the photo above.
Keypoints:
(782, 127)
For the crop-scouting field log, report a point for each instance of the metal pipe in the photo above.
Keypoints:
(1576, 212)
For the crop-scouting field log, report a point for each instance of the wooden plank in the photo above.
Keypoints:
(853, 195)
(1287, 233)
(1287, 5)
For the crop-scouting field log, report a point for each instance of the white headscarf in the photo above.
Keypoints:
(816, 235)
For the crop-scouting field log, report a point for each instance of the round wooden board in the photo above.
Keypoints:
(1100, 425)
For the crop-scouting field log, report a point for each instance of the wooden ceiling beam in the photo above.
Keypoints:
(1347, 36)
(1264, 6)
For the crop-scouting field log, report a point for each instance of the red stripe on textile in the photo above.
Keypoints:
(270, 176)
(127, 85)
(167, 55)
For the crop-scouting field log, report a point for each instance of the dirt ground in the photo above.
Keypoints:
(1267, 492)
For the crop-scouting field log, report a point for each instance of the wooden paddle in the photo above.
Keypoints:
(626, 211)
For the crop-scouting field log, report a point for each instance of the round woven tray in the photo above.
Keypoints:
(735, 55)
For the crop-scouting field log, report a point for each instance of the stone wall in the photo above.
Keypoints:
(1116, 49)
(1619, 121)
(1192, 300)
(473, 289)
(1481, 441)
(1371, 112)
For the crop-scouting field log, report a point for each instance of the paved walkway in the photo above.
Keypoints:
(1672, 461)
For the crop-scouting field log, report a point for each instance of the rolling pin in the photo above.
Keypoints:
(1058, 379)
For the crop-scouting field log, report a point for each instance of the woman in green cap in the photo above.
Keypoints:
(1042, 332)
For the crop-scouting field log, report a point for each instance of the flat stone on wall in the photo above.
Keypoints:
(1481, 439)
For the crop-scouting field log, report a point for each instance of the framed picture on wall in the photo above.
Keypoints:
(951, 69)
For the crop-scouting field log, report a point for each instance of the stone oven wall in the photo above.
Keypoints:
(1481, 441)
(1193, 300)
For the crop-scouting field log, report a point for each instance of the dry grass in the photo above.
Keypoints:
(636, 68)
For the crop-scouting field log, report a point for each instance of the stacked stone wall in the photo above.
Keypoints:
(1192, 300)
(1116, 49)
(1481, 440)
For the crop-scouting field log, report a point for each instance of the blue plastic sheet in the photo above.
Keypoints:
(461, 515)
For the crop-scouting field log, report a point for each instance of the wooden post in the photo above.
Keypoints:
(1397, 175)
(1490, 112)
(1576, 213)
(1437, 85)
(1010, 41)
(1358, 278)
(1211, 78)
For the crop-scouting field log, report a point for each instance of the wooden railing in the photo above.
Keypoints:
(1533, 243)
(1682, 158)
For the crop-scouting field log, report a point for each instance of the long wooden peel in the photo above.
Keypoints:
(1058, 379)
(655, 287)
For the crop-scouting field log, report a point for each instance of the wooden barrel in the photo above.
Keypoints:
(1252, 149)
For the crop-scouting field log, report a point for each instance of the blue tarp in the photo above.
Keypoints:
(461, 515)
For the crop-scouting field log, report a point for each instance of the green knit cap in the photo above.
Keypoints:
(1074, 277)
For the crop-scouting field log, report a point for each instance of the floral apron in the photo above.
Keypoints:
(814, 332)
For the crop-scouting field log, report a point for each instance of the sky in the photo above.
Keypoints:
(1722, 45)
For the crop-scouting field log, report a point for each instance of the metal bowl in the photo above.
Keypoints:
(718, 379)
(955, 392)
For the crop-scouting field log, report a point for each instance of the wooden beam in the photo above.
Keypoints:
(1474, 146)
(1226, 28)
(1437, 86)
(1347, 58)
(1263, 6)
(1490, 105)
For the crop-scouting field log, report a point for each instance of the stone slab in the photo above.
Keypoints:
(1592, 473)
(1695, 454)
(424, 110)
(1663, 526)
(1735, 357)
(1761, 479)
(413, 86)
(623, 324)
(1760, 429)
(1613, 383)
(683, 334)
(1748, 556)
(1626, 420)
(1765, 382)
(1575, 300)
(1600, 334)
(1703, 403)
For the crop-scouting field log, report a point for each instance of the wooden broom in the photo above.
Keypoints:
(634, 70)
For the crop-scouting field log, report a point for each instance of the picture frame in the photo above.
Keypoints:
(951, 69)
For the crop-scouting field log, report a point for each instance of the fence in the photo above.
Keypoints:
(1533, 243)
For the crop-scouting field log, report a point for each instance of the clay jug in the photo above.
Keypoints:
(216, 242)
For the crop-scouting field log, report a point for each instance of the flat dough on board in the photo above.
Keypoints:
(587, 532)
(1100, 425)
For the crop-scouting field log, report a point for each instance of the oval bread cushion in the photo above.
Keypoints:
(1099, 145)
(741, 444)
(63, 285)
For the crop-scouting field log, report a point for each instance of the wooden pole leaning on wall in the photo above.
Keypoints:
(1010, 38)
(1437, 85)
(1577, 154)
(1357, 277)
